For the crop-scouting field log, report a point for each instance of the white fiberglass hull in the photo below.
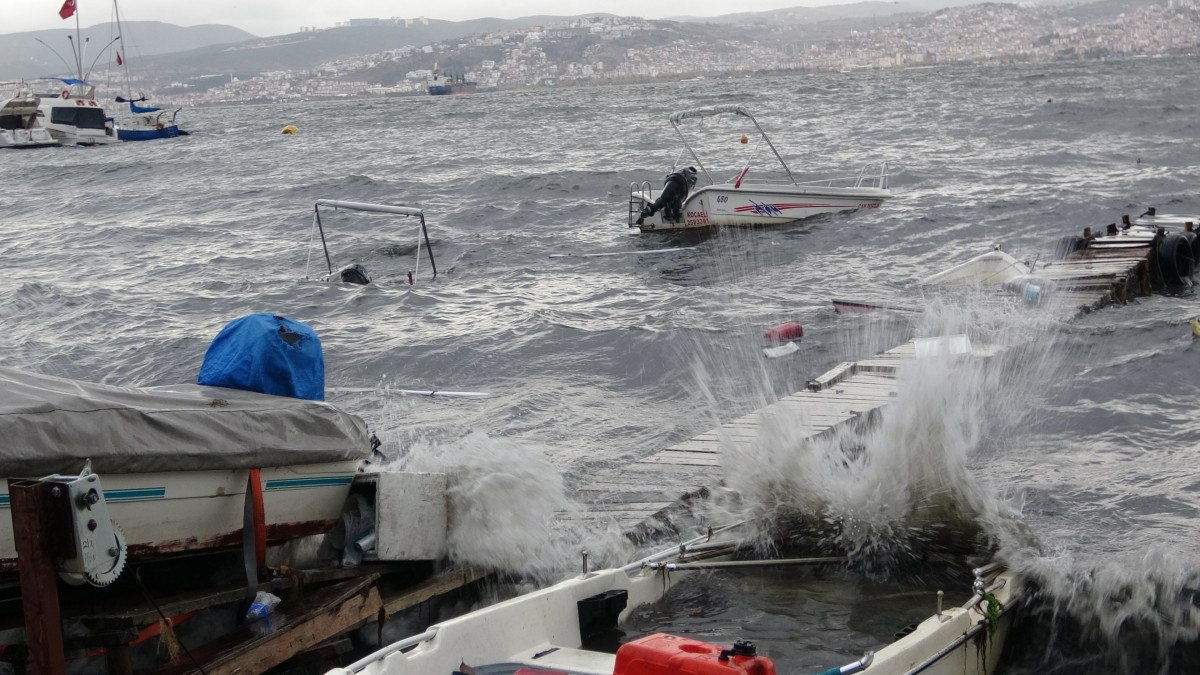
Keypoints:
(542, 630)
(26, 138)
(753, 204)
(991, 268)
(164, 513)
(77, 121)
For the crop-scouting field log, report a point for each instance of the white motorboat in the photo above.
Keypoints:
(21, 122)
(551, 631)
(74, 117)
(746, 199)
(178, 462)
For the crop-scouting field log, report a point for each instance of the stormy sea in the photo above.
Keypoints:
(1078, 459)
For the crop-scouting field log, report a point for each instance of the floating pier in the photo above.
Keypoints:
(659, 492)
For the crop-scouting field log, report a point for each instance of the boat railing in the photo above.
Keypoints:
(318, 227)
(640, 194)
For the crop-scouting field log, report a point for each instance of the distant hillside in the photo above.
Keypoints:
(858, 10)
(21, 56)
(299, 51)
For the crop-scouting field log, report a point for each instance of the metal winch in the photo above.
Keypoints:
(87, 545)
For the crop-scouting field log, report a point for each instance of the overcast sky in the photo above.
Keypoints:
(275, 17)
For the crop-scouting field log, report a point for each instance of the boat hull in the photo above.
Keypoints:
(169, 131)
(751, 205)
(17, 139)
(189, 511)
(448, 89)
(76, 121)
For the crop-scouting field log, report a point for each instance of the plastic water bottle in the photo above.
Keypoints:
(1033, 293)
(261, 607)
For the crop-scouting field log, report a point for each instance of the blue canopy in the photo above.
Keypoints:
(267, 353)
(135, 108)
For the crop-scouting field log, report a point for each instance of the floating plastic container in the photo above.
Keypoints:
(663, 654)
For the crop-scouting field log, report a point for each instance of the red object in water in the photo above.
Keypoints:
(663, 654)
(784, 332)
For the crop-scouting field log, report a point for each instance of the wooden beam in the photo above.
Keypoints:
(39, 580)
(450, 580)
(325, 613)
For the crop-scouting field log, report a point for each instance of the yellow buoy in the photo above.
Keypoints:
(1195, 328)
(745, 138)
(290, 129)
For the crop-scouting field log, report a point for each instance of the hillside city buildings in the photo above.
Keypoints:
(974, 34)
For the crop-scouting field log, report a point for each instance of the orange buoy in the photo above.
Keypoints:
(745, 139)
(784, 332)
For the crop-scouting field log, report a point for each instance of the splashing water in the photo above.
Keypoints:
(507, 508)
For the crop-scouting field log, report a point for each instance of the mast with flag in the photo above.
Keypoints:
(148, 122)
(74, 117)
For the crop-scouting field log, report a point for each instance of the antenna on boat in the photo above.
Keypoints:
(55, 52)
(102, 51)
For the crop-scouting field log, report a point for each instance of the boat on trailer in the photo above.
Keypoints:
(557, 630)
(180, 464)
(745, 199)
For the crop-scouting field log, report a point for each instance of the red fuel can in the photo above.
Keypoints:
(663, 654)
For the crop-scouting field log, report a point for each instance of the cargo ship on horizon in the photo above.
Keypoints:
(441, 86)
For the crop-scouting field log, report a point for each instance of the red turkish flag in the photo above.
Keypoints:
(119, 61)
(68, 9)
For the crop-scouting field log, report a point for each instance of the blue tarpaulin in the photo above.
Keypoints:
(267, 353)
(135, 108)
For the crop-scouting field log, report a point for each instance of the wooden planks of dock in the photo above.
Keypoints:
(658, 493)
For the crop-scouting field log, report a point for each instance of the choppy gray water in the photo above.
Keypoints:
(123, 262)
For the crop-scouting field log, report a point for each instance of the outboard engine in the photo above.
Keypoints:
(355, 274)
(676, 187)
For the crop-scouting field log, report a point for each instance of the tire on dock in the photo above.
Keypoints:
(1176, 261)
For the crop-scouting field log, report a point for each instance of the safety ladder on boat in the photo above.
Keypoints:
(640, 194)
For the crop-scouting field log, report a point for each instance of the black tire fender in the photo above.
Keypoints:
(1175, 260)
(1194, 240)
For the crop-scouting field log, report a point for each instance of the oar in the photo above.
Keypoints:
(409, 392)
(601, 255)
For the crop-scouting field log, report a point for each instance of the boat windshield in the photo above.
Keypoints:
(82, 118)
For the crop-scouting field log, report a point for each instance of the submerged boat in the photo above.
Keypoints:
(356, 272)
(746, 199)
(182, 464)
(558, 630)
(994, 268)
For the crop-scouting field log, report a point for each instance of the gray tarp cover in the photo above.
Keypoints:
(52, 424)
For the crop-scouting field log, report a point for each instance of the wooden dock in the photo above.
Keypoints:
(658, 493)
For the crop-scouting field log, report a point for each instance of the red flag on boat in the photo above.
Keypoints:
(119, 61)
(68, 9)
(737, 180)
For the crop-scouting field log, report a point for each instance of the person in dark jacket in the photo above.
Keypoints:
(674, 191)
